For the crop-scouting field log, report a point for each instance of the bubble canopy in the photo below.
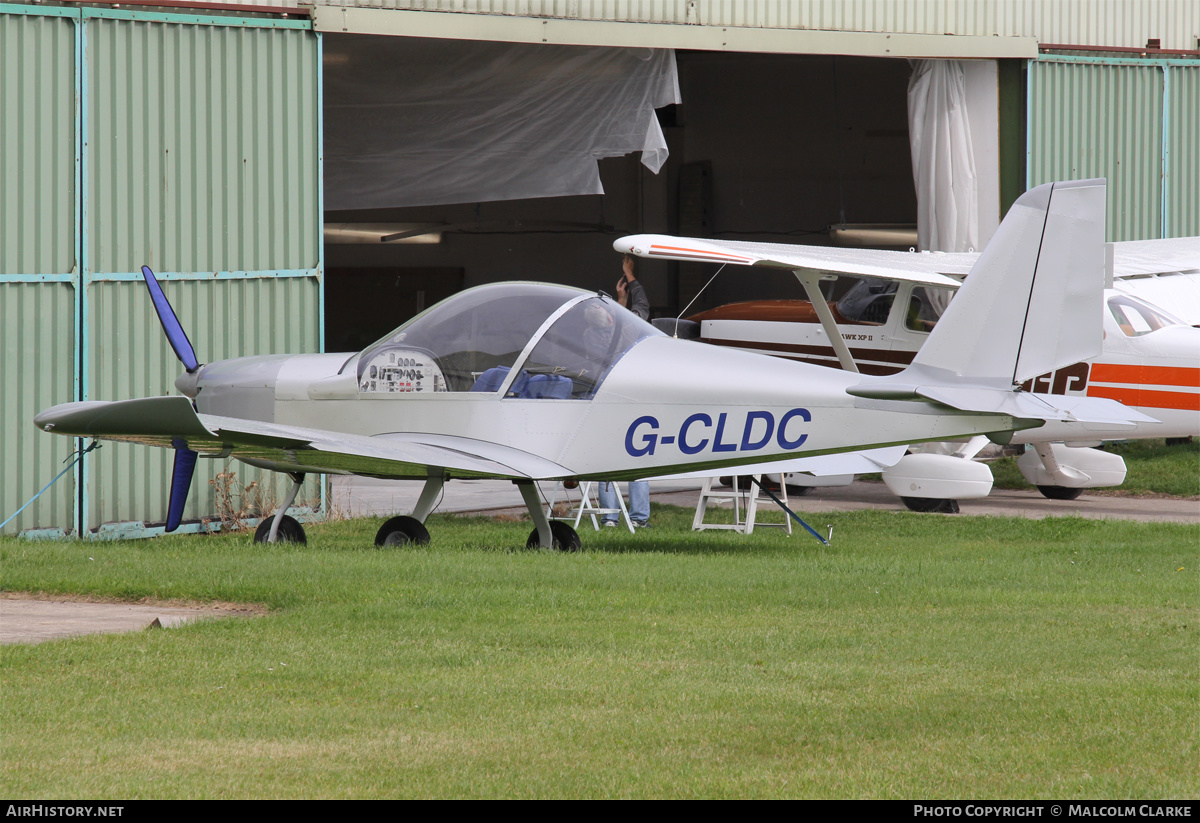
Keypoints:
(565, 340)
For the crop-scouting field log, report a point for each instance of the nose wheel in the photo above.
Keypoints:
(290, 531)
(402, 531)
(282, 528)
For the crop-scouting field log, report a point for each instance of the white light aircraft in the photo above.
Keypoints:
(877, 309)
(539, 382)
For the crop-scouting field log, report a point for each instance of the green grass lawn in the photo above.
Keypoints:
(1152, 468)
(917, 656)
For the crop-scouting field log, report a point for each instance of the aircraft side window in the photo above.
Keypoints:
(925, 308)
(868, 302)
(1136, 318)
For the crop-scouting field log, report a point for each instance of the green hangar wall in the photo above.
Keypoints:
(189, 143)
(1133, 120)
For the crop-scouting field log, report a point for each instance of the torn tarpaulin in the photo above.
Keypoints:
(414, 121)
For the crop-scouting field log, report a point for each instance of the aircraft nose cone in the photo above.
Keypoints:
(187, 384)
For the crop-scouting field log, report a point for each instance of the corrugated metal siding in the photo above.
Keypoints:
(130, 358)
(38, 207)
(1183, 152)
(37, 336)
(1089, 120)
(37, 135)
(202, 157)
(1127, 23)
(202, 146)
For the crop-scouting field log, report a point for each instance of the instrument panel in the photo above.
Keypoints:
(400, 371)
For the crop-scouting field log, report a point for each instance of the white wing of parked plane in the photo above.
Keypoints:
(921, 267)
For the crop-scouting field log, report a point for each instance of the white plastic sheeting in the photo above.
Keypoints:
(412, 121)
(942, 157)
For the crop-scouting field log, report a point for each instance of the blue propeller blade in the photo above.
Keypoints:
(181, 483)
(170, 323)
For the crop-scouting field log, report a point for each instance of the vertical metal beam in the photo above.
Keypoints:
(81, 262)
(1165, 151)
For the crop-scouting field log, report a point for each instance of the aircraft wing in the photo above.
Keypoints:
(822, 465)
(171, 422)
(1134, 258)
(931, 268)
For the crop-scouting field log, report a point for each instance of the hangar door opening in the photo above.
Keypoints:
(767, 147)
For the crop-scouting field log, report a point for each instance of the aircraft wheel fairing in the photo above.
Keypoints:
(290, 531)
(565, 538)
(402, 531)
(1059, 492)
(931, 504)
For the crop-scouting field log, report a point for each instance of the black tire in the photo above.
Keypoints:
(566, 539)
(1059, 492)
(939, 505)
(725, 480)
(402, 531)
(798, 491)
(290, 531)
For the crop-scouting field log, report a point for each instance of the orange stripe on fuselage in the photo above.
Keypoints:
(1145, 375)
(1148, 398)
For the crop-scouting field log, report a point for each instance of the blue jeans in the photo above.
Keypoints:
(639, 500)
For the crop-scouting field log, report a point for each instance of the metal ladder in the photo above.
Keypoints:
(751, 498)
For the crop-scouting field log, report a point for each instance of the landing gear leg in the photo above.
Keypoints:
(400, 531)
(281, 527)
(547, 533)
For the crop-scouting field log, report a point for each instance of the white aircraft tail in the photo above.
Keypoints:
(1032, 303)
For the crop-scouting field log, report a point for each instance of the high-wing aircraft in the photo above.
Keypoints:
(535, 382)
(877, 309)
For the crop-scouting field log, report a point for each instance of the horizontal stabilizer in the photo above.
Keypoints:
(1024, 405)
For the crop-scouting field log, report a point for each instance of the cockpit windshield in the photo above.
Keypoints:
(579, 349)
(449, 346)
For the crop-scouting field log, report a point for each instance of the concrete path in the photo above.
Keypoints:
(28, 620)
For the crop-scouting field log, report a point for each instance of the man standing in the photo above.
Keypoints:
(632, 296)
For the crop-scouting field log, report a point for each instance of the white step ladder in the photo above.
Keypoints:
(749, 497)
(589, 504)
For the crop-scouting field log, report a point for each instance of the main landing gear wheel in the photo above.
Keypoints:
(290, 531)
(402, 531)
(1059, 492)
(565, 538)
(799, 491)
(931, 504)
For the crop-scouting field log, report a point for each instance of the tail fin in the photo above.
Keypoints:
(1033, 301)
